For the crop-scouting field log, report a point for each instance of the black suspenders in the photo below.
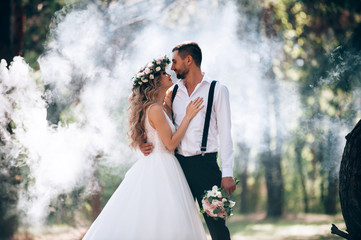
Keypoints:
(208, 117)
(175, 89)
(208, 114)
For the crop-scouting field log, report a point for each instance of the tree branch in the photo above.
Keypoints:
(335, 230)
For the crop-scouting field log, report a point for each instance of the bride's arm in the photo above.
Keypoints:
(158, 120)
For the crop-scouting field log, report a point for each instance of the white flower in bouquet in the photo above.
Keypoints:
(217, 203)
(209, 193)
(214, 191)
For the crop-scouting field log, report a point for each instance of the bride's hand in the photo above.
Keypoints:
(194, 107)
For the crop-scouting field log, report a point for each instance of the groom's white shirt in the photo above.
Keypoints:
(219, 126)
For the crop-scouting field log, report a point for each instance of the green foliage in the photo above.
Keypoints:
(110, 178)
(322, 55)
(38, 18)
(322, 49)
(64, 208)
(10, 179)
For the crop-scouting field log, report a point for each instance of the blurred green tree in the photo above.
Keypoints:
(322, 51)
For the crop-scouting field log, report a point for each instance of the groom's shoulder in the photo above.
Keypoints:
(219, 84)
(221, 88)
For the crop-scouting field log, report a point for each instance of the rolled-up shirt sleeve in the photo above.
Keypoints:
(223, 118)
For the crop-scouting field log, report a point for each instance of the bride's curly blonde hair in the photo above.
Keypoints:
(140, 99)
(146, 85)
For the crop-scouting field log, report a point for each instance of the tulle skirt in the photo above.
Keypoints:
(153, 202)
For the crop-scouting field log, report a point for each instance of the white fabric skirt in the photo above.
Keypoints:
(153, 202)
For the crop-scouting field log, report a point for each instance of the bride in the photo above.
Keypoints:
(154, 200)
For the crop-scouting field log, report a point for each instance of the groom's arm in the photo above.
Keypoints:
(223, 116)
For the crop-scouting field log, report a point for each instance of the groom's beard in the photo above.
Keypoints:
(182, 75)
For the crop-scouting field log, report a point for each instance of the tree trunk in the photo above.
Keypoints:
(273, 177)
(96, 204)
(274, 185)
(350, 183)
(331, 166)
(96, 197)
(11, 40)
(243, 180)
(272, 158)
(302, 175)
(12, 19)
(5, 14)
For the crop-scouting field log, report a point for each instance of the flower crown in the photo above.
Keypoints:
(148, 72)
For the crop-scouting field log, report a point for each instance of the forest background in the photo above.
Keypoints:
(292, 67)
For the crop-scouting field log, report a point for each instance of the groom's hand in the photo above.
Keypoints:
(228, 184)
(146, 148)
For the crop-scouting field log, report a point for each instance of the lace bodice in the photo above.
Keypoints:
(152, 135)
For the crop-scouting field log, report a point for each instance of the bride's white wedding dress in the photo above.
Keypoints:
(152, 202)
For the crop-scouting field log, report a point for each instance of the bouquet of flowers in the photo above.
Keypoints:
(217, 203)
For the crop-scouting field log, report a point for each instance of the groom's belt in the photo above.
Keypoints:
(205, 155)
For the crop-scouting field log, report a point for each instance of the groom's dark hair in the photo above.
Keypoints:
(189, 48)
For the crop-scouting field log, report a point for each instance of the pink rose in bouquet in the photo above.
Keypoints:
(217, 203)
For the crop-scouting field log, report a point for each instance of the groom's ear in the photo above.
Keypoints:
(189, 59)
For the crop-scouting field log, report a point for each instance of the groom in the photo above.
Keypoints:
(197, 152)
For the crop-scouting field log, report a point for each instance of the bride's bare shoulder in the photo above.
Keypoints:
(155, 108)
(156, 115)
(155, 111)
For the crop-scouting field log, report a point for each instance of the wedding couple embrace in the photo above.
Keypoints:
(179, 129)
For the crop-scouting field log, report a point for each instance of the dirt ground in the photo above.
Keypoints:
(242, 227)
(291, 227)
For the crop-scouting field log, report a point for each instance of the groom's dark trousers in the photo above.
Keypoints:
(202, 173)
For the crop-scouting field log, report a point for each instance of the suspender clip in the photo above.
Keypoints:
(203, 151)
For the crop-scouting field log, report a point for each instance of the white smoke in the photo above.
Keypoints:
(91, 56)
